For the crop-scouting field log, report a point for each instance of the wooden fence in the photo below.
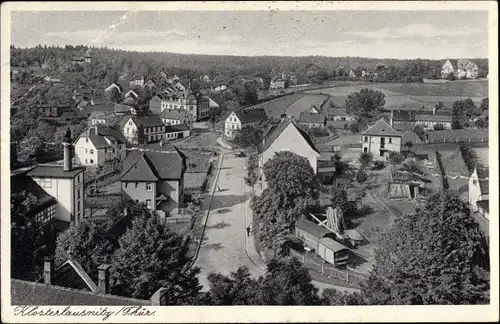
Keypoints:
(329, 273)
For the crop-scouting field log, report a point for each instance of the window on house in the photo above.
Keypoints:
(113, 150)
(130, 123)
(365, 150)
(78, 194)
(148, 203)
(78, 206)
(136, 184)
(474, 182)
(149, 186)
(366, 138)
(91, 161)
(91, 151)
(78, 179)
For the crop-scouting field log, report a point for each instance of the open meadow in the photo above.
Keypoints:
(408, 96)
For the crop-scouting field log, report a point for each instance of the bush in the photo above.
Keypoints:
(439, 127)
(395, 157)
(354, 127)
(420, 131)
(361, 176)
(366, 158)
(408, 144)
(378, 165)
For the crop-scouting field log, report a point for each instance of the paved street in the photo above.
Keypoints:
(223, 248)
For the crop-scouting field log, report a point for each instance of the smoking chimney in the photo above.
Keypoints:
(67, 151)
(48, 268)
(103, 279)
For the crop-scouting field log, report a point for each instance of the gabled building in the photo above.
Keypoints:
(155, 178)
(479, 190)
(122, 110)
(143, 129)
(461, 68)
(287, 136)
(69, 284)
(53, 110)
(338, 114)
(277, 83)
(116, 86)
(242, 117)
(380, 139)
(131, 94)
(137, 80)
(427, 120)
(150, 82)
(99, 145)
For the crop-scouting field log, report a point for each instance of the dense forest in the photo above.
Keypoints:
(191, 65)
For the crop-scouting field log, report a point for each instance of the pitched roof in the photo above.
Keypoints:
(21, 182)
(31, 293)
(312, 228)
(151, 165)
(332, 244)
(71, 275)
(461, 63)
(306, 117)
(433, 118)
(97, 134)
(147, 121)
(175, 114)
(381, 127)
(176, 128)
(120, 108)
(276, 131)
(252, 115)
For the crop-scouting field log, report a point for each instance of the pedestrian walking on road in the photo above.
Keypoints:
(248, 230)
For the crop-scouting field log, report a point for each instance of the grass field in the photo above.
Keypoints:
(409, 96)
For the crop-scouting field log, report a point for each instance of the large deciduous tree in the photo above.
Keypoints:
(88, 244)
(248, 137)
(366, 103)
(292, 189)
(149, 257)
(466, 107)
(437, 255)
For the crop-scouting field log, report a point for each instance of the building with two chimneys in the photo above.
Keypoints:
(59, 189)
(69, 284)
(461, 68)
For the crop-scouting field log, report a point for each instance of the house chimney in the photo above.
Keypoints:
(434, 110)
(48, 269)
(67, 151)
(103, 279)
(156, 299)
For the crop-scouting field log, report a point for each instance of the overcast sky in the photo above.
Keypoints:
(378, 34)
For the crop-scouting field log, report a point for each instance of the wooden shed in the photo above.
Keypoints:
(321, 240)
(333, 252)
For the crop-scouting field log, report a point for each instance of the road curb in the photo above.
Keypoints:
(204, 221)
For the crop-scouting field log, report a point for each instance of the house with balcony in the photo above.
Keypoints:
(155, 178)
(98, 145)
(380, 139)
